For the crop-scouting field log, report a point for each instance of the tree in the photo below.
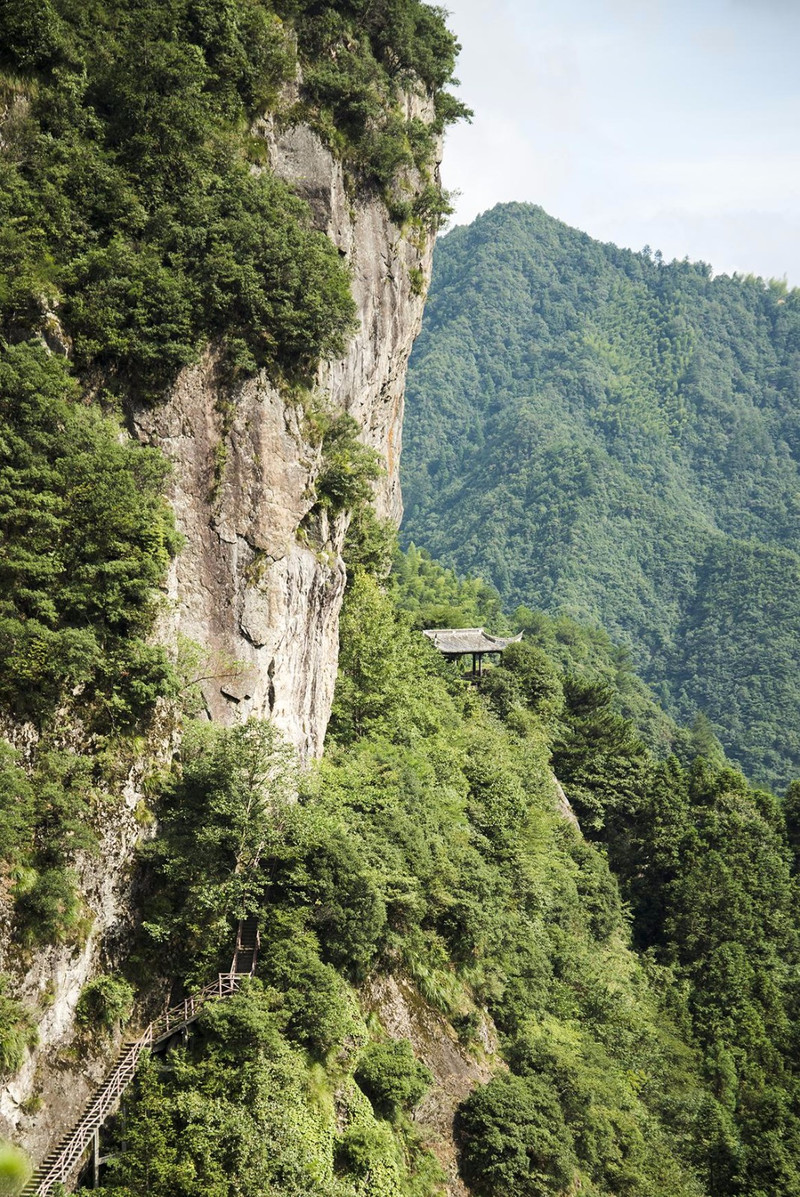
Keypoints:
(513, 1139)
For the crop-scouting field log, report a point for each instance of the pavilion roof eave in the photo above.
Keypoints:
(457, 642)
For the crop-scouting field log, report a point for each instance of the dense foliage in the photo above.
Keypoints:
(85, 539)
(132, 192)
(437, 598)
(608, 436)
(140, 225)
(656, 1058)
(245, 1110)
(128, 196)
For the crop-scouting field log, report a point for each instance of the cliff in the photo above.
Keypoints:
(263, 605)
(260, 601)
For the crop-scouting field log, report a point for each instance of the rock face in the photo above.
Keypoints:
(455, 1071)
(259, 597)
(54, 982)
(262, 604)
(51, 1089)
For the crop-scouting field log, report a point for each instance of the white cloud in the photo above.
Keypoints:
(676, 123)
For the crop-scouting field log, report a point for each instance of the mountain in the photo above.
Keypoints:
(202, 358)
(601, 433)
(530, 939)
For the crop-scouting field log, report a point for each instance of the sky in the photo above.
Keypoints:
(669, 124)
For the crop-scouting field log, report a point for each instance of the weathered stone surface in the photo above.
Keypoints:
(405, 1015)
(263, 605)
(62, 1071)
(564, 805)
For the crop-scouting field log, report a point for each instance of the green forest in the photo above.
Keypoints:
(622, 962)
(612, 437)
(642, 976)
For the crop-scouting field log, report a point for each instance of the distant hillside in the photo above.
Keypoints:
(601, 433)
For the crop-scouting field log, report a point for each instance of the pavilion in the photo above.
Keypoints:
(454, 643)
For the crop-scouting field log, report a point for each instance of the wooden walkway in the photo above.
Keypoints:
(247, 944)
(60, 1166)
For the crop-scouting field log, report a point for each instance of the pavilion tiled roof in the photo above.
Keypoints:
(454, 641)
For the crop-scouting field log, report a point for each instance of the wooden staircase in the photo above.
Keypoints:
(247, 945)
(61, 1165)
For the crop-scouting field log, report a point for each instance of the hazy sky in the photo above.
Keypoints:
(673, 123)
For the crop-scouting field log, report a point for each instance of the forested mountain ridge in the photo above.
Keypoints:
(602, 433)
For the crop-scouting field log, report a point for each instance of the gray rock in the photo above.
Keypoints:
(263, 604)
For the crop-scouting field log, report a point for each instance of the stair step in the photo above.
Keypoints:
(123, 1071)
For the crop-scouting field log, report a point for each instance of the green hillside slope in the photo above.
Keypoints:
(645, 1012)
(603, 434)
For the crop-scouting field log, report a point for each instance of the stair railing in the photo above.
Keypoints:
(59, 1165)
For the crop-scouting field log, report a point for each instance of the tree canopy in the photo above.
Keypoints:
(605, 435)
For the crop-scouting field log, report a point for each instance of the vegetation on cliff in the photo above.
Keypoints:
(140, 224)
(606, 435)
(642, 980)
(135, 195)
(85, 538)
(639, 978)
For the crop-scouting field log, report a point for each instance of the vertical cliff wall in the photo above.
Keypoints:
(259, 597)
(261, 601)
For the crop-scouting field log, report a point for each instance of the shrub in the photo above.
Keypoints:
(104, 1003)
(14, 1168)
(348, 466)
(45, 821)
(51, 910)
(513, 1139)
(16, 808)
(316, 999)
(392, 1078)
(17, 1029)
(349, 912)
(360, 1146)
(370, 544)
(537, 677)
